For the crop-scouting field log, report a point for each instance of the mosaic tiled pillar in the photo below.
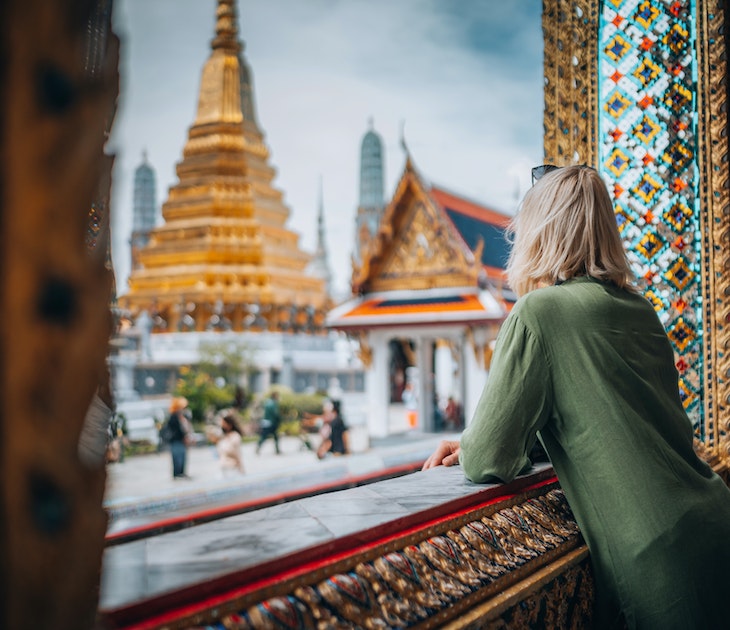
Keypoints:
(651, 103)
(648, 155)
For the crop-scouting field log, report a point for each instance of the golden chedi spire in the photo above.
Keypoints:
(224, 257)
(226, 30)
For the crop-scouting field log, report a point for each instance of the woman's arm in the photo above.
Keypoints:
(514, 406)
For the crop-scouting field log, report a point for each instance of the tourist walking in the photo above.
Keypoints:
(583, 361)
(269, 426)
(177, 433)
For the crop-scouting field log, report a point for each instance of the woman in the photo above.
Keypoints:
(334, 434)
(229, 447)
(584, 360)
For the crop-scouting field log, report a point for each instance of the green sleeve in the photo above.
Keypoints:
(514, 405)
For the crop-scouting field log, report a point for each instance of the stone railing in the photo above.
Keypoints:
(426, 550)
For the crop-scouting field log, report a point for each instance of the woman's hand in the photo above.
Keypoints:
(446, 454)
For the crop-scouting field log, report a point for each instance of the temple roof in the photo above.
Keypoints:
(476, 222)
(429, 231)
(437, 259)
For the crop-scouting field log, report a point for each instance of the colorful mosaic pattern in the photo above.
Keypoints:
(426, 583)
(647, 135)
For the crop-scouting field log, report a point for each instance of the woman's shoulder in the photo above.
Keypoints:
(572, 292)
(539, 302)
(578, 302)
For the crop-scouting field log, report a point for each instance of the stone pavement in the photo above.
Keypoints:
(141, 490)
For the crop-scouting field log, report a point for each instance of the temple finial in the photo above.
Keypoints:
(320, 191)
(403, 144)
(226, 27)
(320, 218)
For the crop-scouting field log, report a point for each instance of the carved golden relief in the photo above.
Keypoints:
(715, 199)
(415, 246)
(421, 247)
(364, 351)
(59, 97)
(570, 31)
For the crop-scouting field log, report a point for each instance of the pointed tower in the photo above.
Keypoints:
(144, 214)
(319, 267)
(372, 200)
(224, 253)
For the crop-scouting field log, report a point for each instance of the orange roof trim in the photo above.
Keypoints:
(387, 307)
(419, 308)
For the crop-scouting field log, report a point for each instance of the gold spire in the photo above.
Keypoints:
(220, 84)
(226, 29)
(224, 245)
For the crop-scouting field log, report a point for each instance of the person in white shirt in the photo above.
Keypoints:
(229, 447)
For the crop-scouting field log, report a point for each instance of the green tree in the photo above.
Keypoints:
(211, 384)
(232, 361)
(292, 407)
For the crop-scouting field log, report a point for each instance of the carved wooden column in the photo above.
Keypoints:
(54, 298)
(712, 97)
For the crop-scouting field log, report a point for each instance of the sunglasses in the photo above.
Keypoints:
(540, 171)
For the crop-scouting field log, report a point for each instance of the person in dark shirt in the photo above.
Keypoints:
(334, 433)
(178, 429)
(269, 427)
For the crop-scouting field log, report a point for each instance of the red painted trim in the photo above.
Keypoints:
(169, 607)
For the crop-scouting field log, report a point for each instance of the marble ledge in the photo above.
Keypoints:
(199, 559)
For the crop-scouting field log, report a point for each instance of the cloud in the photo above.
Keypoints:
(465, 77)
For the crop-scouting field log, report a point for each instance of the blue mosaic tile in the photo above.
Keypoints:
(648, 138)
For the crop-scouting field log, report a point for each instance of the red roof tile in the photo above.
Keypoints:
(470, 208)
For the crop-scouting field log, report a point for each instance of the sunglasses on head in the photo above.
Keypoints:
(543, 169)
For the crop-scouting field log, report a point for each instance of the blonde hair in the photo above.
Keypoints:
(565, 228)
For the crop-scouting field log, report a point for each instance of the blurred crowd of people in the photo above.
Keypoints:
(325, 434)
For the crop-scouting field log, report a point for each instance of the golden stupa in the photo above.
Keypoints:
(224, 258)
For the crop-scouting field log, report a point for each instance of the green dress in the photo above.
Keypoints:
(589, 367)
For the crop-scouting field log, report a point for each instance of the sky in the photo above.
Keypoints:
(462, 79)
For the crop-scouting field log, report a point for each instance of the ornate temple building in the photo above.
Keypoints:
(224, 259)
(429, 296)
